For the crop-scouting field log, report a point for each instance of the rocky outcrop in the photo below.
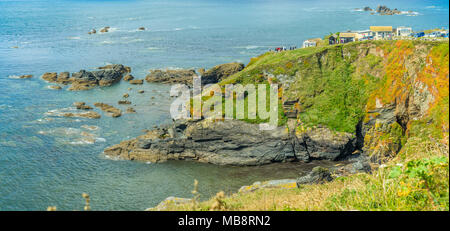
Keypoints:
(84, 80)
(213, 75)
(171, 76)
(219, 72)
(367, 8)
(227, 143)
(323, 144)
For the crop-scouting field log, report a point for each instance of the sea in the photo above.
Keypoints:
(48, 160)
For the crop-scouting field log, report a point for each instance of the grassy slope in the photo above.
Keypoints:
(338, 94)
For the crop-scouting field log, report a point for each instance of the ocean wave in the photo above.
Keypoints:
(74, 38)
(90, 127)
(107, 42)
(14, 76)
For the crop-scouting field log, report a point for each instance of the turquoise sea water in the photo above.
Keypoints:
(47, 160)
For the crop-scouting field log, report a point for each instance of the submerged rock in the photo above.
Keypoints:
(54, 87)
(131, 110)
(124, 102)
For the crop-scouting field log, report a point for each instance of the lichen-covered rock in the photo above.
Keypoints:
(285, 183)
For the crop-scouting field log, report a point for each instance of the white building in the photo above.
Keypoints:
(382, 32)
(311, 42)
(403, 31)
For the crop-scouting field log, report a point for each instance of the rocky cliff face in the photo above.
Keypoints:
(231, 143)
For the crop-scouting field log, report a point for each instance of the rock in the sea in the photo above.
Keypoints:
(124, 102)
(84, 80)
(114, 112)
(50, 76)
(54, 87)
(136, 81)
(93, 31)
(141, 91)
(141, 28)
(367, 8)
(318, 175)
(91, 115)
(384, 10)
(25, 76)
(126, 95)
(171, 76)
(63, 78)
(128, 77)
(116, 67)
(82, 106)
(219, 72)
(105, 29)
